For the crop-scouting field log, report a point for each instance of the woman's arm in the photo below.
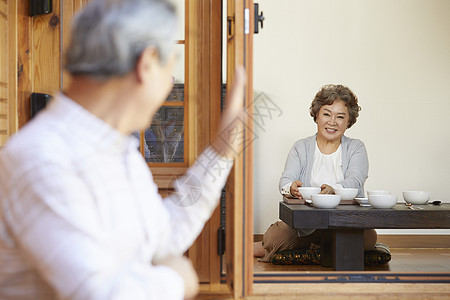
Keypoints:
(358, 167)
(291, 171)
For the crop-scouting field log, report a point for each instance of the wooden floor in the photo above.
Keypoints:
(353, 291)
(344, 291)
(403, 260)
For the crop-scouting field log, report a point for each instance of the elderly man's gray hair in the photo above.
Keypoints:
(108, 36)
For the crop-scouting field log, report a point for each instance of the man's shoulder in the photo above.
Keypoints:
(36, 141)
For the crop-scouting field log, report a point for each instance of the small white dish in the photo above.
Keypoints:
(416, 197)
(346, 193)
(308, 191)
(325, 200)
(382, 201)
(363, 201)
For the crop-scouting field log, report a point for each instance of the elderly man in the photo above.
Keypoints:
(80, 215)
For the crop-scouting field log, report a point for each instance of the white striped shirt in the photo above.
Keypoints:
(80, 215)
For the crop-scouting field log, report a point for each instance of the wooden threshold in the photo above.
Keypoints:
(213, 291)
(352, 277)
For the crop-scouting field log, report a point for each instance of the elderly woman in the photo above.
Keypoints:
(328, 160)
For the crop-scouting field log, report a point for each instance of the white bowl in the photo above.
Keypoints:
(416, 197)
(378, 192)
(308, 191)
(325, 200)
(382, 201)
(363, 201)
(346, 193)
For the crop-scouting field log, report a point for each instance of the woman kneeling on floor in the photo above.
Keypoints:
(328, 160)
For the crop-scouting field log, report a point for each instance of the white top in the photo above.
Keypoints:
(80, 215)
(327, 169)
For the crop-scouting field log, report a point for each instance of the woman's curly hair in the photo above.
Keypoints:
(332, 92)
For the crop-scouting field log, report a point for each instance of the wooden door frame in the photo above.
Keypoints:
(204, 83)
(203, 90)
(239, 190)
(248, 154)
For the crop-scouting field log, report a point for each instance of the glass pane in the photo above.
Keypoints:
(180, 15)
(177, 93)
(164, 140)
(178, 72)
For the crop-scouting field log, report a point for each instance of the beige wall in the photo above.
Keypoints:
(394, 54)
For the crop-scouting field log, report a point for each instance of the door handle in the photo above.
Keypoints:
(259, 18)
(230, 21)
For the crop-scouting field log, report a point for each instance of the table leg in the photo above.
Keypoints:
(348, 249)
(326, 248)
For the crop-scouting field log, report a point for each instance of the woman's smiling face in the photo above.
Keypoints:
(332, 121)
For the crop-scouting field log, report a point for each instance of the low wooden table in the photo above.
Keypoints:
(343, 227)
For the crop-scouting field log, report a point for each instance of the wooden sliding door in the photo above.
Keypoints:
(8, 70)
(239, 189)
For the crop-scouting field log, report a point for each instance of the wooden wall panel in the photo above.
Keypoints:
(46, 52)
(40, 43)
(69, 9)
(24, 82)
(4, 80)
(8, 81)
(12, 61)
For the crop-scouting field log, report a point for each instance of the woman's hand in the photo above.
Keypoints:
(326, 189)
(228, 142)
(294, 189)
